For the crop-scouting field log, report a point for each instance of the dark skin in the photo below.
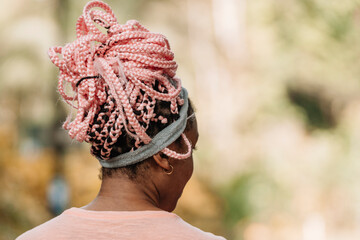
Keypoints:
(156, 190)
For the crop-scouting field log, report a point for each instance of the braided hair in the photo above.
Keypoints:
(124, 84)
(138, 170)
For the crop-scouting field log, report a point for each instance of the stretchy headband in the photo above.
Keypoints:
(125, 71)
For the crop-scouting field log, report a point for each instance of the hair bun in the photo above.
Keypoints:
(118, 67)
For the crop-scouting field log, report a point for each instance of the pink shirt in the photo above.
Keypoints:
(77, 223)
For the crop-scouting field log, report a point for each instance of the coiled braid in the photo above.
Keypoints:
(124, 83)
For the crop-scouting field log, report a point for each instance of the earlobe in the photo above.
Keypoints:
(162, 162)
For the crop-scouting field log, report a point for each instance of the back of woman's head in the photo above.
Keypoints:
(125, 89)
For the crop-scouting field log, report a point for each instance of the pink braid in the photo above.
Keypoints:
(118, 68)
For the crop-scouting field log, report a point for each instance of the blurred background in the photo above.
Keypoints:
(276, 87)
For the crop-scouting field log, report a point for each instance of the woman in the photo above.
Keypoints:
(141, 126)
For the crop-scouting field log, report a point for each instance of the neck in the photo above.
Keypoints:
(122, 194)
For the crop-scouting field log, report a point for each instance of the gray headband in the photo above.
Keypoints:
(161, 140)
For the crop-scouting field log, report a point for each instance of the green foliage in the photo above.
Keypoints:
(253, 195)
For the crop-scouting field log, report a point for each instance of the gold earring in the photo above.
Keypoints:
(171, 171)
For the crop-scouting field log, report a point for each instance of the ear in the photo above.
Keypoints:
(162, 162)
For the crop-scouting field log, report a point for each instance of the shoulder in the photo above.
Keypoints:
(45, 230)
(187, 231)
